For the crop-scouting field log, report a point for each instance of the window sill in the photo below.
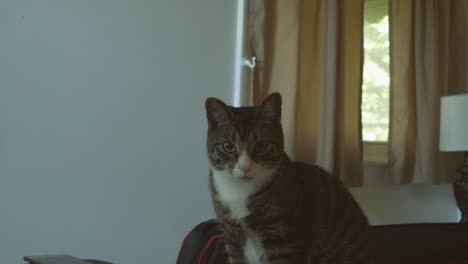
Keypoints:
(375, 153)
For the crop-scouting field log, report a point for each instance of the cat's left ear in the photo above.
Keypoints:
(270, 109)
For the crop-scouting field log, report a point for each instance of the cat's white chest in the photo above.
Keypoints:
(233, 194)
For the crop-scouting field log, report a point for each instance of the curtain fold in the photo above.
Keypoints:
(312, 53)
(428, 60)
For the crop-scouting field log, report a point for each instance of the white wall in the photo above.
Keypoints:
(102, 124)
(385, 203)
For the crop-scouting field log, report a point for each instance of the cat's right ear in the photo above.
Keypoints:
(216, 111)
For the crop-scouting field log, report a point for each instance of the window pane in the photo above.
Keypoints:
(376, 79)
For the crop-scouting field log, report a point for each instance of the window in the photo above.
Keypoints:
(376, 80)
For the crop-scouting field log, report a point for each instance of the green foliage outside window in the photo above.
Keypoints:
(376, 79)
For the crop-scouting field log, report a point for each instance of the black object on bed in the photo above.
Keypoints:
(428, 243)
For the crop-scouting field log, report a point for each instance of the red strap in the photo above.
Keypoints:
(208, 245)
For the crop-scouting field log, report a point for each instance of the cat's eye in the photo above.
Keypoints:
(261, 147)
(229, 147)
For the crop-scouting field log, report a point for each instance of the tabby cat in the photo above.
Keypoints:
(273, 210)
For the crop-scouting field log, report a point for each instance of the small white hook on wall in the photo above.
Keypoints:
(249, 62)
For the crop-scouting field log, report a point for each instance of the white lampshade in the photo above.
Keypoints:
(454, 123)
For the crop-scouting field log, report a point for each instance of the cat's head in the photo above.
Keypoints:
(245, 142)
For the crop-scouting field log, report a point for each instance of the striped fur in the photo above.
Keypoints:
(280, 211)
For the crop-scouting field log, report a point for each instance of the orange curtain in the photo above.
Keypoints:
(311, 52)
(429, 59)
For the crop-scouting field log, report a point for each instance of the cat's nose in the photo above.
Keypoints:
(246, 167)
